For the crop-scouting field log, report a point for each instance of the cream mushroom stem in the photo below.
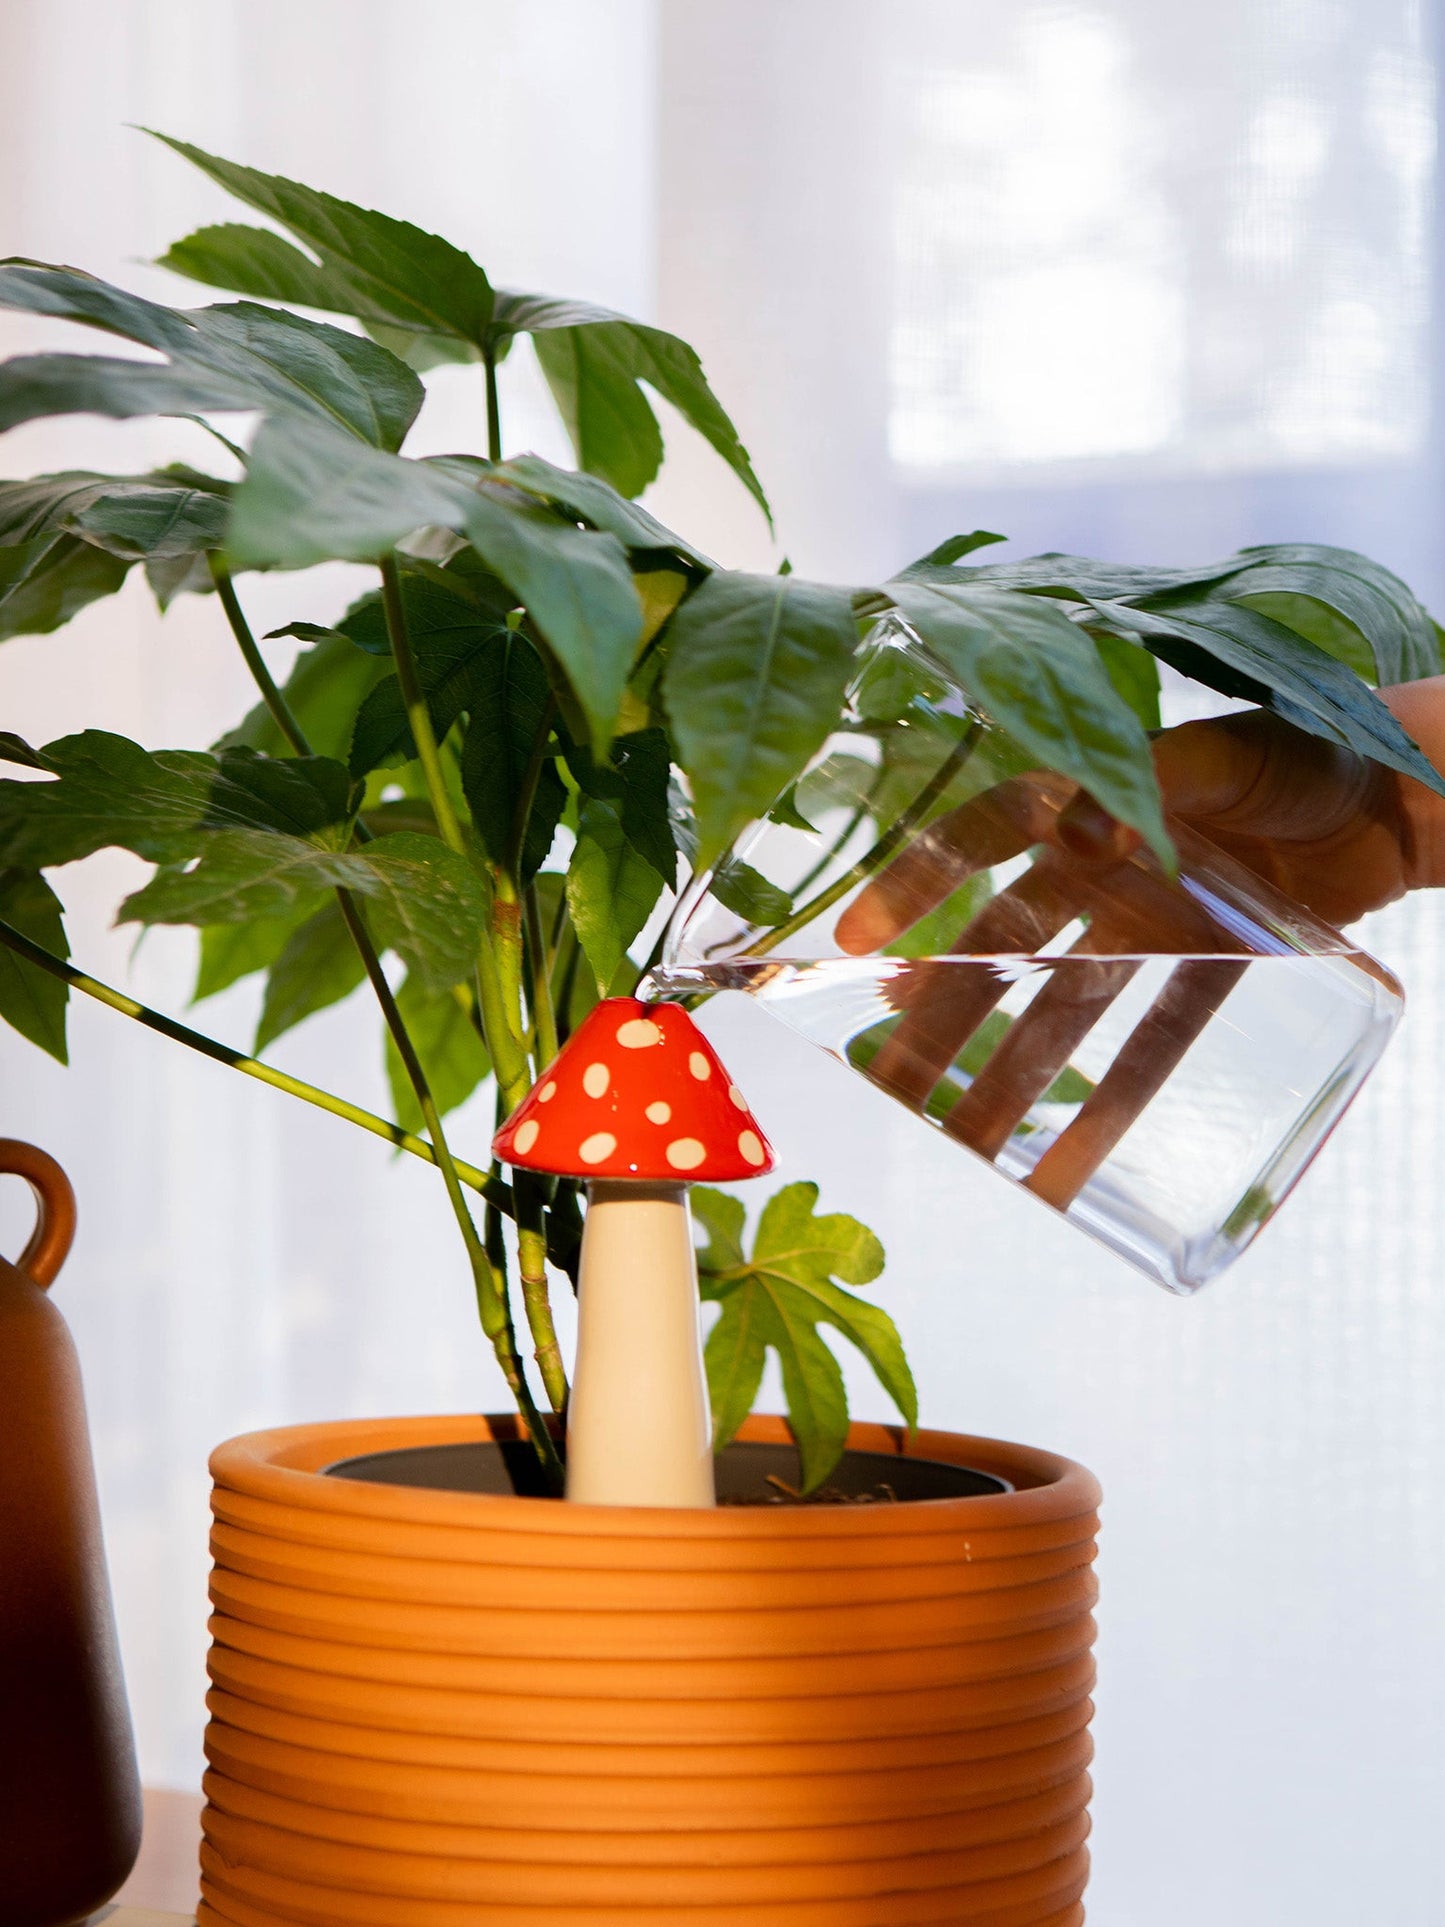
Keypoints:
(639, 1428)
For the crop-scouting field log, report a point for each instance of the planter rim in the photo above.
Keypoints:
(285, 1464)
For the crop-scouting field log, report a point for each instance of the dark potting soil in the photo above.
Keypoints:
(748, 1473)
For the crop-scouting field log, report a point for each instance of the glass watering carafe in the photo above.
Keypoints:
(1156, 1058)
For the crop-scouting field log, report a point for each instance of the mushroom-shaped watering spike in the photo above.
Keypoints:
(638, 1103)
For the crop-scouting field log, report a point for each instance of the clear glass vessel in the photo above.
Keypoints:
(1156, 1058)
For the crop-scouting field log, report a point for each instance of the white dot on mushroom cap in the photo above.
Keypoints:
(600, 1145)
(699, 1066)
(686, 1153)
(737, 1097)
(526, 1135)
(751, 1146)
(547, 1092)
(659, 1113)
(638, 1033)
(595, 1079)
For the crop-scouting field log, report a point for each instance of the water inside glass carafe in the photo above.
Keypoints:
(1157, 1058)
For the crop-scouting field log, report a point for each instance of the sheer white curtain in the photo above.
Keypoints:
(1150, 283)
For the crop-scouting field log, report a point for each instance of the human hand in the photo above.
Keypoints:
(1337, 833)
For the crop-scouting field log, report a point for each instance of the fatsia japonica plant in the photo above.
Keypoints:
(545, 713)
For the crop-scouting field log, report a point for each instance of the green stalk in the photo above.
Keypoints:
(503, 1039)
(490, 1188)
(532, 1269)
(494, 412)
(492, 1306)
(499, 999)
(275, 702)
(539, 985)
(539, 995)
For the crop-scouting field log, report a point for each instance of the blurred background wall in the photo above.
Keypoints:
(1148, 282)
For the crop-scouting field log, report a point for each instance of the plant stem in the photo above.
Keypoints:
(532, 1269)
(236, 1060)
(499, 995)
(275, 702)
(417, 713)
(539, 984)
(502, 1038)
(494, 412)
(492, 1307)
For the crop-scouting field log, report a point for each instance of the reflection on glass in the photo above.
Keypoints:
(1157, 1058)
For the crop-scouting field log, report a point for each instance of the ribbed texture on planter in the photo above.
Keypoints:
(442, 1708)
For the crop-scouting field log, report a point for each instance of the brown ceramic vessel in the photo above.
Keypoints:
(481, 1711)
(69, 1792)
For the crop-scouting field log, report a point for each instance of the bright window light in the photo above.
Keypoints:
(1161, 240)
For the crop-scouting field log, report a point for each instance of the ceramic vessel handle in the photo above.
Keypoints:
(55, 1208)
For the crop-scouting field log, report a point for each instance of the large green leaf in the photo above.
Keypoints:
(42, 504)
(453, 1056)
(318, 967)
(1349, 605)
(47, 580)
(754, 682)
(311, 496)
(1039, 677)
(777, 1299)
(31, 1000)
(46, 575)
(509, 711)
(1077, 578)
(153, 519)
(1245, 654)
(391, 275)
(256, 261)
(376, 267)
(383, 738)
(238, 356)
(594, 361)
(422, 900)
(590, 499)
(108, 791)
(611, 890)
(1352, 607)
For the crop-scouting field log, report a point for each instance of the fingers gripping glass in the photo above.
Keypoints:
(1157, 1059)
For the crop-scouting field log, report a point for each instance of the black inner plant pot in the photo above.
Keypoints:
(748, 1473)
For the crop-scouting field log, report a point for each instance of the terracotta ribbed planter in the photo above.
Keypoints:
(473, 1711)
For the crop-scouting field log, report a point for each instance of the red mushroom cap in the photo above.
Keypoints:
(636, 1092)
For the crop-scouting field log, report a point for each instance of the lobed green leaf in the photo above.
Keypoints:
(776, 1300)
